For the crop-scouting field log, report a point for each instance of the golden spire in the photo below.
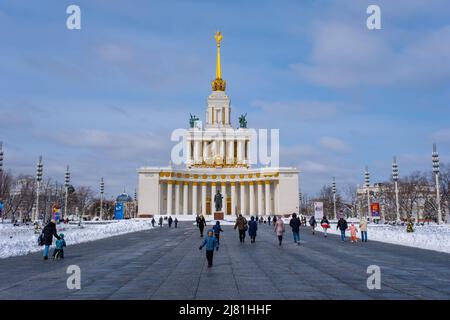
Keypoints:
(218, 84)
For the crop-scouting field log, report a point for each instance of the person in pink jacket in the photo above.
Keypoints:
(353, 232)
(279, 229)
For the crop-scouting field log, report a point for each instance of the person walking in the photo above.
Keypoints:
(48, 233)
(201, 225)
(252, 228)
(268, 220)
(313, 224)
(342, 225)
(353, 232)
(217, 230)
(211, 243)
(160, 222)
(325, 225)
(363, 229)
(176, 222)
(241, 225)
(295, 226)
(197, 220)
(274, 220)
(279, 229)
(153, 222)
(170, 221)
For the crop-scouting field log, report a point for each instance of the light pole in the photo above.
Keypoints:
(102, 192)
(1, 166)
(333, 189)
(300, 198)
(395, 178)
(367, 184)
(39, 172)
(435, 158)
(66, 185)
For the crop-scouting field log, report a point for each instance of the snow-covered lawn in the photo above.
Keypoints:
(21, 240)
(431, 237)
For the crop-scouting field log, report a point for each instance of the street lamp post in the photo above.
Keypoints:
(395, 178)
(333, 189)
(66, 185)
(1, 166)
(367, 184)
(39, 172)
(435, 158)
(102, 192)
(300, 199)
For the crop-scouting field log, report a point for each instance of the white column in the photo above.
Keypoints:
(239, 151)
(224, 200)
(196, 151)
(230, 152)
(203, 201)
(242, 200)
(194, 198)
(169, 197)
(267, 195)
(233, 198)
(188, 151)
(260, 200)
(222, 149)
(185, 197)
(252, 198)
(213, 193)
(205, 151)
(177, 197)
(275, 197)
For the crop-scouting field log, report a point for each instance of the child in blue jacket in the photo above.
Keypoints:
(211, 243)
(59, 249)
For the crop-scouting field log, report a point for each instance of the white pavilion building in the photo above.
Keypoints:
(217, 157)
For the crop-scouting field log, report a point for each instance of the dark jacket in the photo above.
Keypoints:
(342, 225)
(295, 224)
(324, 221)
(312, 221)
(217, 229)
(241, 223)
(252, 227)
(201, 223)
(49, 232)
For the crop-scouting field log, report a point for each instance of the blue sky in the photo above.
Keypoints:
(104, 99)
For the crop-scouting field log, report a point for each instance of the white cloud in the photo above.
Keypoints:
(344, 55)
(334, 144)
(298, 110)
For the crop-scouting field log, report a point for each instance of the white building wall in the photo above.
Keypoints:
(288, 193)
(148, 200)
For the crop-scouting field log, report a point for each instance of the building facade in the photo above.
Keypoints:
(217, 158)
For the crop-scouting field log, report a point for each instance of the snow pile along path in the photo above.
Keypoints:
(16, 241)
(432, 237)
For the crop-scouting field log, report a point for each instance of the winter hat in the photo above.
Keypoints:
(211, 230)
(61, 235)
(53, 220)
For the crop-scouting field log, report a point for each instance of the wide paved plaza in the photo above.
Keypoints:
(167, 264)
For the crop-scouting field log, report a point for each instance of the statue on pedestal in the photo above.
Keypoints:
(242, 121)
(218, 201)
(192, 120)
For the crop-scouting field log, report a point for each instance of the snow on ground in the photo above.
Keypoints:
(21, 240)
(432, 237)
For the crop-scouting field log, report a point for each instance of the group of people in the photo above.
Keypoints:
(46, 239)
(170, 221)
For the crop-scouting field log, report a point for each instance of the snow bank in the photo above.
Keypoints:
(432, 237)
(16, 241)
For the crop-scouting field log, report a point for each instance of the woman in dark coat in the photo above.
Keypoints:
(201, 224)
(252, 227)
(49, 232)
